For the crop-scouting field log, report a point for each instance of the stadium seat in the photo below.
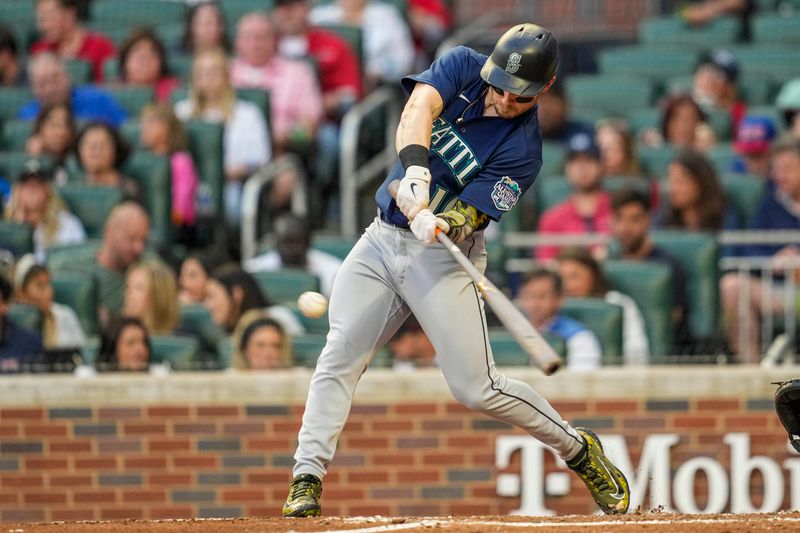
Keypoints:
(16, 237)
(333, 244)
(180, 66)
(354, 37)
(617, 95)
(756, 90)
(507, 352)
(179, 351)
(287, 284)
(550, 191)
(587, 115)
(673, 30)
(552, 159)
(644, 119)
(655, 160)
(14, 12)
(776, 28)
(205, 145)
(131, 97)
(80, 293)
(698, 254)
(603, 319)
(722, 157)
(225, 349)
(306, 349)
(153, 174)
(649, 284)
(196, 320)
(26, 316)
(234, 9)
(11, 100)
(61, 258)
(779, 63)
(15, 134)
(91, 204)
(743, 191)
(80, 71)
(657, 63)
(140, 12)
(12, 163)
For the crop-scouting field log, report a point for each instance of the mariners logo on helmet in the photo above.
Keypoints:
(513, 63)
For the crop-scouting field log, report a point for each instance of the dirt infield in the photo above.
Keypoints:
(633, 522)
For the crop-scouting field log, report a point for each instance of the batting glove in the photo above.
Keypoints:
(425, 224)
(412, 195)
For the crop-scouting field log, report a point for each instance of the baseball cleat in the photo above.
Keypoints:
(303, 499)
(606, 483)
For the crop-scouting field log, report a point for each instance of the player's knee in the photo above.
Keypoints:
(474, 397)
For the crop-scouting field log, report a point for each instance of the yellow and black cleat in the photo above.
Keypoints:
(303, 500)
(605, 482)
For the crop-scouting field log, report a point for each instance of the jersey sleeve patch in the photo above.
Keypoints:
(506, 193)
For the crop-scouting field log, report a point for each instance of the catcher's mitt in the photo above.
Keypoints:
(787, 404)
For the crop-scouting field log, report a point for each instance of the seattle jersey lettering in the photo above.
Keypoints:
(456, 153)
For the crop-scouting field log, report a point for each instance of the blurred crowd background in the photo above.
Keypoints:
(174, 174)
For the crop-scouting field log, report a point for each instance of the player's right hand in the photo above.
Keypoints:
(412, 195)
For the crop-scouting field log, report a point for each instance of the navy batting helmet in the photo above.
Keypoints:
(523, 61)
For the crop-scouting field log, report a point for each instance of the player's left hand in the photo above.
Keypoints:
(425, 224)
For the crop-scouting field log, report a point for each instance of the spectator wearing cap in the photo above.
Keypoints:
(51, 84)
(12, 73)
(61, 34)
(411, 348)
(554, 116)
(715, 85)
(588, 208)
(753, 142)
(35, 202)
(20, 349)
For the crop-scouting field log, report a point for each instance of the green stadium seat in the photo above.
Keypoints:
(80, 71)
(196, 320)
(180, 66)
(603, 319)
(778, 63)
(649, 284)
(140, 12)
(743, 191)
(80, 293)
(11, 100)
(655, 160)
(507, 352)
(12, 163)
(15, 12)
(644, 119)
(587, 115)
(698, 254)
(61, 258)
(766, 5)
(756, 90)
(16, 237)
(673, 30)
(26, 316)
(179, 351)
(225, 349)
(552, 159)
(15, 134)
(776, 28)
(722, 156)
(617, 95)
(131, 131)
(287, 284)
(130, 97)
(153, 174)
(550, 191)
(333, 244)
(91, 204)
(234, 9)
(205, 145)
(307, 348)
(657, 63)
(353, 35)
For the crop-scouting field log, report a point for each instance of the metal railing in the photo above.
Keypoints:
(354, 177)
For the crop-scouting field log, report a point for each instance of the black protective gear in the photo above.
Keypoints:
(787, 404)
(523, 61)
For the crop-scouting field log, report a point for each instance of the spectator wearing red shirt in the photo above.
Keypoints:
(57, 22)
(430, 20)
(588, 208)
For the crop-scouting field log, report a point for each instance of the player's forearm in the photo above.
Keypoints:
(463, 219)
(416, 122)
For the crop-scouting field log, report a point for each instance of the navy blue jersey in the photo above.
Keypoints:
(487, 162)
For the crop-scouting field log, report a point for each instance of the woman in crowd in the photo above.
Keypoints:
(163, 134)
(194, 275)
(617, 148)
(53, 136)
(583, 278)
(151, 295)
(143, 61)
(205, 29)
(685, 125)
(101, 153)
(124, 346)
(260, 343)
(61, 328)
(247, 139)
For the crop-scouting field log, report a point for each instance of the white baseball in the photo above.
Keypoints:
(312, 304)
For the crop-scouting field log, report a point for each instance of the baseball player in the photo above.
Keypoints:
(469, 146)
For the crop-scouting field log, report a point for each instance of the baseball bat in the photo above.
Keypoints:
(531, 341)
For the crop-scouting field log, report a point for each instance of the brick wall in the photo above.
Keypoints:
(215, 460)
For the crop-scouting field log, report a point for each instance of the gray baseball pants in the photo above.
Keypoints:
(389, 274)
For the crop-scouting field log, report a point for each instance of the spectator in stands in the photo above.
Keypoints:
(293, 250)
(617, 148)
(588, 209)
(295, 97)
(631, 228)
(20, 349)
(231, 292)
(124, 346)
(35, 202)
(261, 343)
(151, 295)
(51, 84)
(540, 297)
(143, 62)
(247, 140)
(553, 114)
(753, 142)
(788, 103)
(778, 209)
(62, 34)
(12, 73)
(61, 328)
(53, 137)
(388, 48)
(704, 11)
(715, 86)
(695, 198)
(163, 134)
(685, 125)
(430, 21)
(411, 348)
(205, 29)
(101, 153)
(195, 272)
(124, 241)
(583, 278)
